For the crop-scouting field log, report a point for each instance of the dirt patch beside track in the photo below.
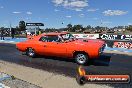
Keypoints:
(42, 78)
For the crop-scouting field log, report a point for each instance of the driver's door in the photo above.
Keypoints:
(52, 47)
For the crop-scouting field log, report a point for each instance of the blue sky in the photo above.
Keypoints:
(53, 12)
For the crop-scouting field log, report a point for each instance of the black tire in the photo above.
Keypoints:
(81, 58)
(80, 80)
(30, 52)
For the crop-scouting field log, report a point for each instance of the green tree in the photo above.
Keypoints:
(98, 28)
(22, 26)
(17, 28)
(129, 28)
(2, 28)
(88, 27)
(69, 26)
(78, 28)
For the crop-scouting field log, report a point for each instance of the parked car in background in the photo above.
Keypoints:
(62, 45)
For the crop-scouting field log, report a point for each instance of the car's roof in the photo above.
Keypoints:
(49, 34)
(54, 33)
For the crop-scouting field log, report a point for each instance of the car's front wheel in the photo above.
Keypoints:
(81, 58)
(30, 52)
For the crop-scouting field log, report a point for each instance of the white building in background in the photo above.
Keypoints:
(120, 30)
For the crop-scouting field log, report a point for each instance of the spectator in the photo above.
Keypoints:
(39, 32)
(12, 33)
(2, 34)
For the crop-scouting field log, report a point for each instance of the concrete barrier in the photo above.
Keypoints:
(127, 45)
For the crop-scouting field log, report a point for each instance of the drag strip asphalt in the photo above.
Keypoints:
(106, 64)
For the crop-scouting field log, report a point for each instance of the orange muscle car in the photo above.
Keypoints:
(62, 45)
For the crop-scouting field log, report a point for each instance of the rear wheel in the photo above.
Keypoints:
(81, 58)
(30, 52)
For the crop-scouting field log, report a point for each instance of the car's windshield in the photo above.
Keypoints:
(68, 36)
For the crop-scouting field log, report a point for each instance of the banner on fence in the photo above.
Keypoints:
(88, 36)
(127, 45)
(115, 37)
(126, 37)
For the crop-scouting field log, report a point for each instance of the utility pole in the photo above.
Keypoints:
(10, 28)
(35, 30)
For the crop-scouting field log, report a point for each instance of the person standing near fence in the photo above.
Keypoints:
(2, 34)
(12, 33)
(39, 32)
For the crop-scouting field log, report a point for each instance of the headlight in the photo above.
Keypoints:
(102, 49)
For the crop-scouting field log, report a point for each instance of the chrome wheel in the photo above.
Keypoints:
(81, 59)
(31, 52)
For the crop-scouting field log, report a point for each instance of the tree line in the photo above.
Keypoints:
(72, 28)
